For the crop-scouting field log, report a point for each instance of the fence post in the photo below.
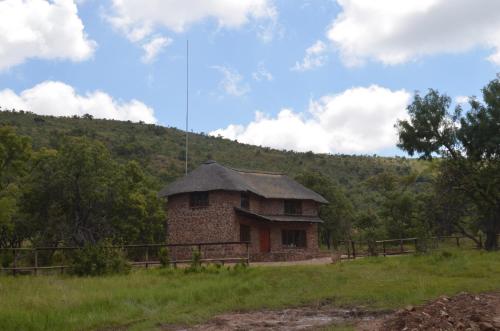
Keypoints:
(348, 250)
(383, 247)
(458, 241)
(416, 244)
(147, 256)
(14, 262)
(353, 249)
(401, 246)
(36, 262)
(248, 253)
(480, 242)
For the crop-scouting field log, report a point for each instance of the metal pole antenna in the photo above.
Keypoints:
(187, 102)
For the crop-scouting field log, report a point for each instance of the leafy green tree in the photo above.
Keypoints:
(79, 195)
(469, 145)
(337, 214)
(400, 204)
(15, 152)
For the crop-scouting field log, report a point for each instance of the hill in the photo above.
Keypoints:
(160, 151)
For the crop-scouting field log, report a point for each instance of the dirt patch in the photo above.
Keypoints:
(465, 311)
(471, 312)
(301, 318)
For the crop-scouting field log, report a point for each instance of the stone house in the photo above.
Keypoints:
(214, 203)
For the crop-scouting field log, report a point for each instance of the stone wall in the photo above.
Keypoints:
(214, 223)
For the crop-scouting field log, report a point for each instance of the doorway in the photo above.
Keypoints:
(265, 240)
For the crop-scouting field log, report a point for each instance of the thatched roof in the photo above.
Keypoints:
(211, 176)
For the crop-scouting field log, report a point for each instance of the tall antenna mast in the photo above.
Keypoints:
(187, 102)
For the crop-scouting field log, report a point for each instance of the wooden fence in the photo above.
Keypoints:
(350, 249)
(36, 259)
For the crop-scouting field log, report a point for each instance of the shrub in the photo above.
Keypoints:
(6, 259)
(98, 260)
(196, 259)
(195, 265)
(164, 257)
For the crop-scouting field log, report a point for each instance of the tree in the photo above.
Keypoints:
(399, 203)
(79, 195)
(337, 214)
(469, 147)
(15, 152)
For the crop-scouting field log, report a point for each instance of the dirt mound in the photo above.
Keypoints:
(461, 312)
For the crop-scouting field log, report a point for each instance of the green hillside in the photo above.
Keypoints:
(160, 150)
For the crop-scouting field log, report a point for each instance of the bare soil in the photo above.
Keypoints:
(474, 312)
(470, 312)
(301, 318)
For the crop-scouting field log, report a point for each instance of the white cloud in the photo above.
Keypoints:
(139, 18)
(59, 99)
(232, 82)
(358, 120)
(395, 31)
(262, 73)
(154, 47)
(315, 57)
(41, 29)
(462, 99)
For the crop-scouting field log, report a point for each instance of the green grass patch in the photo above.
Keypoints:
(145, 299)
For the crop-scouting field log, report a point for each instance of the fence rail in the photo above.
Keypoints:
(28, 259)
(350, 249)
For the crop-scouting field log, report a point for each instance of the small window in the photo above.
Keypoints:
(245, 200)
(198, 199)
(244, 232)
(293, 238)
(293, 207)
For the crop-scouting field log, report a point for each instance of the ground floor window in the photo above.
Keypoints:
(293, 238)
(244, 232)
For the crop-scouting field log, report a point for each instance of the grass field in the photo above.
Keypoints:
(145, 299)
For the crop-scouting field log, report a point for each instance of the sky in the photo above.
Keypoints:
(306, 75)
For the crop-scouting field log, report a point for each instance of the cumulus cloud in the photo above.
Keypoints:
(358, 120)
(139, 18)
(59, 99)
(394, 31)
(232, 82)
(41, 29)
(154, 47)
(315, 57)
(262, 73)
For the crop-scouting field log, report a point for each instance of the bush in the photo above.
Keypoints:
(196, 259)
(98, 260)
(164, 257)
(6, 259)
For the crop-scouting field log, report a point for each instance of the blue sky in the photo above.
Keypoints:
(365, 60)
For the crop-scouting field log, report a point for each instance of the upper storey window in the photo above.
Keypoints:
(198, 199)
(245, 200)
(293, 207)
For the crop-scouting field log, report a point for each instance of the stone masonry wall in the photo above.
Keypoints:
(214, 223)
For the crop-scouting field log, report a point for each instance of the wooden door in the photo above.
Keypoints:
(265, 240)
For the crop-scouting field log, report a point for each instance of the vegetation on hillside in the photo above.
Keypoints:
(98, 178)
(83, 180)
